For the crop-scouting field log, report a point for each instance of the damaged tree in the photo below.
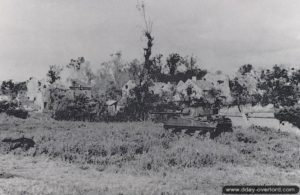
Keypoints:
(141, 103)
(148, 36)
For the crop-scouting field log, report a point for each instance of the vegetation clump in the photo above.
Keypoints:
(290, 114)
(11, 108)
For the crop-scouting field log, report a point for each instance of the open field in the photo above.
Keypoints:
(136, 158)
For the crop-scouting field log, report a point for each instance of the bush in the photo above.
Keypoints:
(11, 109)
(19, 113)
(4, 106)
(290, 114)
(80, 108)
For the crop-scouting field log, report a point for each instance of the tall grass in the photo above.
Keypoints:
(141, 147)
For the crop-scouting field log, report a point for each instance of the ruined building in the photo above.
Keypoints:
(34, 98)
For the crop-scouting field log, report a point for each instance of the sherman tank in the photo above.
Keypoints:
(198, 119)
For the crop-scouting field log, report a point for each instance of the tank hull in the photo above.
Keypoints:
(189, 124)
(214, 127)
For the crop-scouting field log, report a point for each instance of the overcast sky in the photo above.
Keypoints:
(223, 34)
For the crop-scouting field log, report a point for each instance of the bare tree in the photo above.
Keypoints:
(148, 35)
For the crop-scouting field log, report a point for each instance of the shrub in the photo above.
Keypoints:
(4, 106)
(11, 109)
(20, 113)
(80, 108)
(290, 114)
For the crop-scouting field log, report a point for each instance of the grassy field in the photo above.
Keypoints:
(140, 158)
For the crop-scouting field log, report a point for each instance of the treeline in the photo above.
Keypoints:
(278, 86)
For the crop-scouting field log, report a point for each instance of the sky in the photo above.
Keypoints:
(222, 34)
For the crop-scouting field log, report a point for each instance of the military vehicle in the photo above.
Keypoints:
(202, 119)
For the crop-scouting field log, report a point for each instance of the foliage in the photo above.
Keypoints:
(173, 62)
(79, 108)
(11, 108)
(247, 68)
(240, 94)
(54, 73)
(20, 86)
(295, 77)
(7, 85)
(76, 64)
(141, 102)
(7, 105)
(144, 100)
(289, 114)
(140, 99)
(155, 67)
(243, 87)
(216, 95)
(135, 71)
(278, 88)
(11, 88)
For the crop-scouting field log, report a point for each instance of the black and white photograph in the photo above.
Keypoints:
(149, 97)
